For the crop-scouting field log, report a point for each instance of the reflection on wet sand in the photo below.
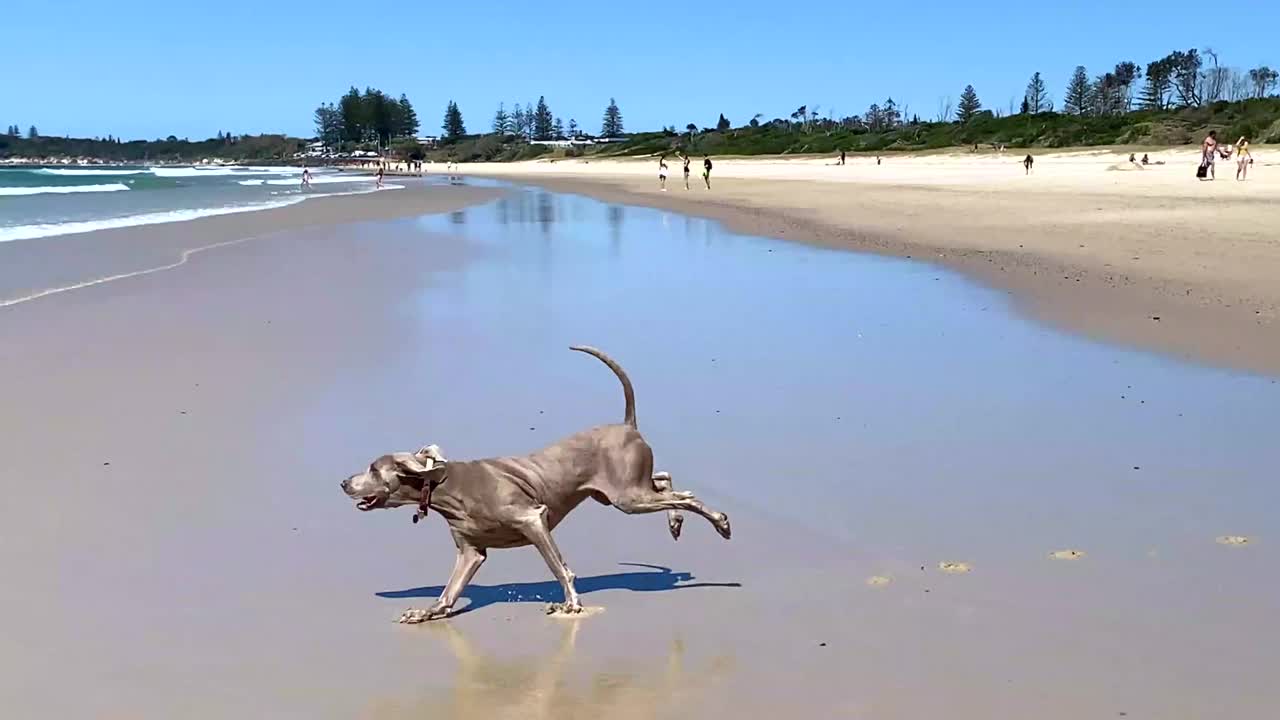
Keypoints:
(534, 687)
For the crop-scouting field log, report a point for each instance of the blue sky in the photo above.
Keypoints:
(149, 69)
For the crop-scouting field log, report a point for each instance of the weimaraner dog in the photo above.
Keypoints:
(516, 501)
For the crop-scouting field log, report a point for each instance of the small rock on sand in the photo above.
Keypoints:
(955, 568)
(1233, 540)
(1067, 554)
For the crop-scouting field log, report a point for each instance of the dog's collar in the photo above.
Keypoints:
(424, 504)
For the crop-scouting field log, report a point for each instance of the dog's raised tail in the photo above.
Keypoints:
(629, 416)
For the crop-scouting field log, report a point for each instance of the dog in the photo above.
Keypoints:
(510, 502)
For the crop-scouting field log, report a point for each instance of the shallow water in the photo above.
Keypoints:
(859, 417)
(899, 411)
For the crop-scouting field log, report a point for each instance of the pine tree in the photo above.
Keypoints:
(543, 121)
(573, 128)
(1155, 94)
(558, 129)
(1035, 100)
(1076, 101)
(723, 123)
(32, 133)
(453, 127)
(969, 105)
(890, 115)
(408, 118)
(612, 125)
(501, 121)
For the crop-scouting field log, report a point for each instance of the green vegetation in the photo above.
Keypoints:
(1259, 120)
(453, 127)
(246, 148)
(369, 118)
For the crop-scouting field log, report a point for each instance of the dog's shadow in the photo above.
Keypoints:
(660, 579)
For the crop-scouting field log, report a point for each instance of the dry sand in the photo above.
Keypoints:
(1143, 256)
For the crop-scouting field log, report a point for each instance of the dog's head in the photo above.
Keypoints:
(396, 479)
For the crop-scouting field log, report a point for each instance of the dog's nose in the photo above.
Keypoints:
(343, 484)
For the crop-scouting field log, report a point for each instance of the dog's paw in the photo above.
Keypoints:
(413, 616)
(675, 521)
(721, 522)
(564, 608)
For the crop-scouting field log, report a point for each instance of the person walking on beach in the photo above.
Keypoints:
(1208, 154)
(306, 178)
(706, 171)
(1243, 158)
(1027, 162)
(842, 157)
(686, 171)
(662, 173)
(379, 185)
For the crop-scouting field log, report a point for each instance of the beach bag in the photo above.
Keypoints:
(1203, 171)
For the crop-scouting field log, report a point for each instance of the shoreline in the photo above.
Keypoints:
(1180, 305)
(43, 266)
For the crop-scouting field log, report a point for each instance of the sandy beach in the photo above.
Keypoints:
(940, 509)
(1141, 256)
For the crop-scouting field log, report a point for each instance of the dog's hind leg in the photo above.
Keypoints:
(469, 560)
(642, 500)
(533, 525)
(675, 519)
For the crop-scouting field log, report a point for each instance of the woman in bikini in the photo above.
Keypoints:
(662, 173)
(1243, 159)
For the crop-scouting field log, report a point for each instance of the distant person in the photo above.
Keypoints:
(686, 171)
(1132, 158)
(1027, 162)
(1145, 159)
(1208, 154)
(306, 178)
(379, 185)
(877, 159)
(662, 173)
(1243, 158)
(706, 171)
(842, 157)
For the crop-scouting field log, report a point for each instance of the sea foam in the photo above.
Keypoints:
(63, 189)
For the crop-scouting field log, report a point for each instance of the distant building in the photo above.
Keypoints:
(428, 140)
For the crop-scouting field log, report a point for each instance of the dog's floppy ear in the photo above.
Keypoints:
(430, 452)
(430, 467)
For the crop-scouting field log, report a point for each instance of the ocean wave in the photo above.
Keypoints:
(27, 232)
(252, 182)
(323, 180)
(97, 172)
(177, 172)
(63, 189)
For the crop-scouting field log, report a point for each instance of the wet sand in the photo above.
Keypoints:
(1146, 257)
(174, 537)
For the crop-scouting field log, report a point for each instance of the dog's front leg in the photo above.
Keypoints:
(533, 524)
(469, 560)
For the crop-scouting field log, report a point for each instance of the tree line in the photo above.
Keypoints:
(1181, 79)
(369, 117)
(15, 131)
(533, 122)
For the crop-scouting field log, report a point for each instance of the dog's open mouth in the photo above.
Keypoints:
(371, 502)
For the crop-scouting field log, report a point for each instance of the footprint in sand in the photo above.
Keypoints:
(1067, 554)
(955, 568)
(877, 581)
(1234, 540)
